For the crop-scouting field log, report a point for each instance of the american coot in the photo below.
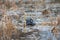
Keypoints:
(30, 22)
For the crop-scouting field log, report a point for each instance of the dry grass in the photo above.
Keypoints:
(58, 19)
(9, 29)
(45, 12)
